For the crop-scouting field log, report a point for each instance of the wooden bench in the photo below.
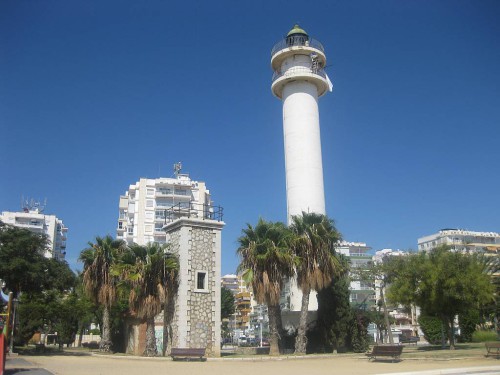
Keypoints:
(492, 348)
(187, 353)
(409, 339)
(393, 351)
(91, 345)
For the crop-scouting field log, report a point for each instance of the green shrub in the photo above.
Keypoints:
(483, 336)
(431, 327)
(468, 322)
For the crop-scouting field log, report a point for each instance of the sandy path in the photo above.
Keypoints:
(97, 365)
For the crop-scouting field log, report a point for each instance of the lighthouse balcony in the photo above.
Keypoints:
(298, 45)
(297, 41)
(315, 76)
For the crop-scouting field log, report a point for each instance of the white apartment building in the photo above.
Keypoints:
(33, 219)
(361, 292)
(234, 283)
(462, 240)
(149, 204)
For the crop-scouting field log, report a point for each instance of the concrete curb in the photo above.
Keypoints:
(278, 358)
(456, 371)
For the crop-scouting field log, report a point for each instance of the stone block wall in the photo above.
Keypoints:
(196, 322)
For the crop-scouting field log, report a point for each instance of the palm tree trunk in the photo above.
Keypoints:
(151, 349)
(301, 339)
(80, 335)
(273, 329)
(105, 344)
(279, 327)
(168, 316)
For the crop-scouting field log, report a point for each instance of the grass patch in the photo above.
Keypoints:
(468, 350)
(484, 336)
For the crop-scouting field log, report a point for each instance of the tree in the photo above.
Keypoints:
(148, 275)
(99, 283)
(382, 274)
(85, 309)
(22, 264)
(334, 314)
(266, 260)
(359, 331)
(444, 284)
(39, 283)
(314, 242)
(226, 310)
(227, 303)
(67, 314)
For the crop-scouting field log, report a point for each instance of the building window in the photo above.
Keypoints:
(150, 192)
(148, 228)
(120, 225)
(164, 191)
(180, 192)
(160, 214)
(201, 281)
(130, 230)
(150, 203)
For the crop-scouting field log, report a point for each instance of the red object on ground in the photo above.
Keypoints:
(2, 353)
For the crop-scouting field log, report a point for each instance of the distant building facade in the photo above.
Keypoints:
(462, 240)
(143, 207)
(234, 283)
(247, 312)
(362, 292)
(33, 219)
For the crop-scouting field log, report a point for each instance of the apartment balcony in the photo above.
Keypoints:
(243, 319)
(27, 224)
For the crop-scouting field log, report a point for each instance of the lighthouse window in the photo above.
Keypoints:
(201, 281)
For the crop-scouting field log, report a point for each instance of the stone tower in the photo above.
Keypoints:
(197, 240)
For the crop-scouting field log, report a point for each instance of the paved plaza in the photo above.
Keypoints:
(70, 364)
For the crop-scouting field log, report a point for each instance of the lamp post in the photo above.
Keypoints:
(261, 319)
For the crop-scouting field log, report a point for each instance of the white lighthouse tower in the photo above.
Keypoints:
(299, 80)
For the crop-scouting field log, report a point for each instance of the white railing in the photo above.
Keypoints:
(297, 70)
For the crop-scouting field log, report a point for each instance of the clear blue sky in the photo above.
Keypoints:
(96, 94)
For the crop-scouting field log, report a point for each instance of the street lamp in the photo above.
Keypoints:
(260, 321)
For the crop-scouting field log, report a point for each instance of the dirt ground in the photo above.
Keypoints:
(107, 365)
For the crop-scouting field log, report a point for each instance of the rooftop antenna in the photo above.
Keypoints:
(177, 169)
(31, 205)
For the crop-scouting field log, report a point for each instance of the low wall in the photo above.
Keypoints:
(243, 350)
(86, 338)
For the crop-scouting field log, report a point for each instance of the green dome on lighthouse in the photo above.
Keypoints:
(297, 31)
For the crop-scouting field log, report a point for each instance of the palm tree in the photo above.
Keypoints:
(313, 245)
(152, 274)
(98, 282)
(266, 260)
